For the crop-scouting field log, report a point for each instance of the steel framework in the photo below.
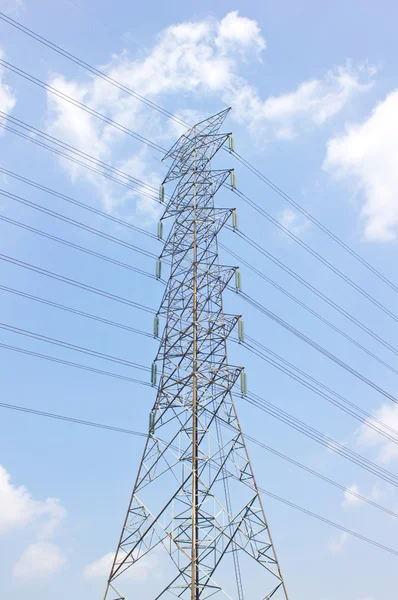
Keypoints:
(195, 498)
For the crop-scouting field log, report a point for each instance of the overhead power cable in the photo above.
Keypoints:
(40, 413)
(82, 205)
(82, 106)
(356, 412)
(79, 224)
(77, 247)
(31, 139)
(50, 340)
(316, 255)
(317, 292)
(73, 364)
(75, 283)
(320, 438)
(91, 69)
(346, 490)
(75, 311)
(291, 368)
(114, 429)
(309, 309)
(313, 220)
(324, 520)
(146, 187)
(316, 346)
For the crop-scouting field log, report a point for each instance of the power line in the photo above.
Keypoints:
(114, 429)
(75, 311)
(316, 291)
(308, 309)
(75, 223)
(81, 106)
(316, 346)
(315, 221)
(71, 149)
(77, 247)
(78, 162)
(324, 520)
(316, 255)
(318, 475)
(367, 419)
(73, 364)
(69, 346)
(41, 413)
(75, 283)
(321, 438)
(92, 209)
(268, 351)
(90, 68)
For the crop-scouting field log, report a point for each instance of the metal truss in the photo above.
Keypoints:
(195, 498)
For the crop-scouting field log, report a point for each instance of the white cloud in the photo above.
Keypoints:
(239, 32)
(338, 545)
(147, 566)
(376, 493)
(292, 221)
(99, 568)
(7, 96)
(13, 7)
(39, 561)
(312, 104)
(18, 509)
(350, 500)
(367, 155)
(367, 437)
(201, 59)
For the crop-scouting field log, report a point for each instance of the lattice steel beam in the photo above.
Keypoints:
(195, 496)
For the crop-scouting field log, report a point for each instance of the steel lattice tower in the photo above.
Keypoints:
(195, 498)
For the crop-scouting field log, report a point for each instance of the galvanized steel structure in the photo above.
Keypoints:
(195, 499)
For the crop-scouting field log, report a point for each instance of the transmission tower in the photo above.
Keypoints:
(195, 500)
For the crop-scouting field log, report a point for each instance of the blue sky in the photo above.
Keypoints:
(314, 95)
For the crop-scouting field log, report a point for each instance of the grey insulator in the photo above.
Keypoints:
(241, 330)
(158, 269)
(243, 383)
(156, 326)
(154, 373)
(151, 422)
(234, 220)
(161, 193)
(237, 280)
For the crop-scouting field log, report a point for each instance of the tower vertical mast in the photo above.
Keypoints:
(195, 494)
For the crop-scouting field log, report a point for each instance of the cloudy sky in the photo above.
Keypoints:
(313, 89)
